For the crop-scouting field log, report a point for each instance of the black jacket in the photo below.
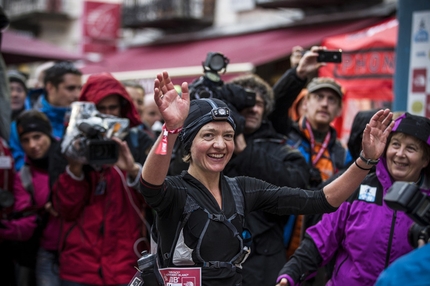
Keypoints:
(286, 90)
(266, 157)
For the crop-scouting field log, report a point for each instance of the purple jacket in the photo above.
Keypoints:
(359, 234)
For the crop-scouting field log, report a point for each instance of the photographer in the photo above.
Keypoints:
(364, 235)
(103, 215)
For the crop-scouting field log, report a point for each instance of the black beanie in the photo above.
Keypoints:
(413, 125)
(202, 111)
(33, 121)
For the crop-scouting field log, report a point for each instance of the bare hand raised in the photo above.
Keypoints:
(308, 64)
(376, 133)
(173, 108)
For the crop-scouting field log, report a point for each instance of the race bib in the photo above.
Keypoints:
(182, 276)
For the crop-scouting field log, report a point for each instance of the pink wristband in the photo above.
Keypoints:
(162, 147)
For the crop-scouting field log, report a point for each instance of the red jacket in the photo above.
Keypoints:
(99, 231)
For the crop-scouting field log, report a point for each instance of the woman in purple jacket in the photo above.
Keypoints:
(364, 235)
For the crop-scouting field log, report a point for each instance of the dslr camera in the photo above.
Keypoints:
(88, 135)
(407, 197)
(210, 85)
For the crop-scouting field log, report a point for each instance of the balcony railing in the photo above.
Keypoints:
(16, 9)
(303, 4)
(168, 14)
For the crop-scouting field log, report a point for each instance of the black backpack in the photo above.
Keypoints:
(165, 259)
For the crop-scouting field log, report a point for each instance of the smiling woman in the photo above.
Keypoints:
(200, 213)
(34, 132)
(340, 236)
(35, 228)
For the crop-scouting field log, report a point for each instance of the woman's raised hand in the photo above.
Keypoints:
(376, 133)
(173, 108)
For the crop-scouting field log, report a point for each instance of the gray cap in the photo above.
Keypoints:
(324, 82)
(16, 76)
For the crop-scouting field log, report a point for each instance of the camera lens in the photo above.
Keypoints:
(102, 152)
(217, 62)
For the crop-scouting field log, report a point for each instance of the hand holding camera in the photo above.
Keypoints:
(88, 138)
(315, 58)
(125, 159)
(308, 64)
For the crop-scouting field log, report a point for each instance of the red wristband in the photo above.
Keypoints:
(174, 131)
(162, 147)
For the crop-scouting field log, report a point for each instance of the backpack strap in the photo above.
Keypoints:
(190, 206)
(237, 195)
(27, 182)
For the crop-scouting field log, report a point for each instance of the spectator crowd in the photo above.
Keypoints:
(257, 194)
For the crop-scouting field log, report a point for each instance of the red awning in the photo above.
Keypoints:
(17, 49)
(255, 49)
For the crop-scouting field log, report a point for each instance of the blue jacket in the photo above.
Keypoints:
(411, 269)
(56, 116)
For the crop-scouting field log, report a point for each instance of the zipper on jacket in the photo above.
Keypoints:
(340, 265)
(390, 239)
(100, 271)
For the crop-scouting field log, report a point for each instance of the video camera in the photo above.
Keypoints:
(210, 85)
(88, 135)
(407, 197)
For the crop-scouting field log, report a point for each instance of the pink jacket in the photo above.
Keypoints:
(22, 229)
(19, 229)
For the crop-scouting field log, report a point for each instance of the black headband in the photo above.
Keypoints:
(203, 111)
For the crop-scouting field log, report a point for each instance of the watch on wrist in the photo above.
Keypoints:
(368, 161)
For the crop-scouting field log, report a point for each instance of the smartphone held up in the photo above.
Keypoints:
(330, 56)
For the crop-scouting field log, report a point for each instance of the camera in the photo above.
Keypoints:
(407, 197)
(210, 85)
(330, 56)
(98, 150)
(88, 135)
